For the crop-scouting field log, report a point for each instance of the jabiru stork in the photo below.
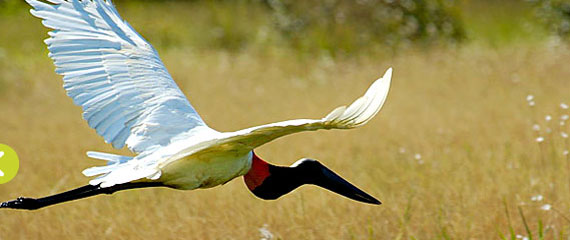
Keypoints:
(130, 99)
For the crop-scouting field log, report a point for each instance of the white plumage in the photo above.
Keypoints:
(126, 93)
(130, 99)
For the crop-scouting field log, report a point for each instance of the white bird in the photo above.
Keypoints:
(130, 99)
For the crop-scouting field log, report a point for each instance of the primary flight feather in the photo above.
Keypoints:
(129, 98)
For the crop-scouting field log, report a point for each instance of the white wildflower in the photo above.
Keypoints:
(418, 156)
(546, 207)
(564, 117)
(564, 135)
(562, 123)
(536, 198)
(563, 106)
(265, 233)
(536, 127)
(531, 103)
(565, 153)
(519, 236)
(548, 118)
(539, 139)
(529, 98)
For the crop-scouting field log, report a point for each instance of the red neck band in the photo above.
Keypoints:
(258, 172)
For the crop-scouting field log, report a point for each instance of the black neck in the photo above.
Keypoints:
(283, 180)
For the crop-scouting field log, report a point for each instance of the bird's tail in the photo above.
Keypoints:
(119, 170)
(112, 161)
(112, 158)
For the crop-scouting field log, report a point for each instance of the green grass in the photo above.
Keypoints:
(502, 23)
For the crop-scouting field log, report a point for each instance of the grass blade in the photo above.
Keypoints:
(525, 223)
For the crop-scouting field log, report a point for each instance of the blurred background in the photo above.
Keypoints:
(472, 142)
(331, 28)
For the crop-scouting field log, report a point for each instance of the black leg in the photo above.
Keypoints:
(78, 193)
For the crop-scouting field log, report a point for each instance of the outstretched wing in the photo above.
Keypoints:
(355, 115)
(126, 93)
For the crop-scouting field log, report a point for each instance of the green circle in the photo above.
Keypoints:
(9, 163)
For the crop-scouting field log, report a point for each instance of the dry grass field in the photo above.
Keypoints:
(453, 155)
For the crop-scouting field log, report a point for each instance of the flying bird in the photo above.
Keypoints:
(130, 99)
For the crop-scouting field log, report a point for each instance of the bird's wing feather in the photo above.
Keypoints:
(108, 69)
(355, 115)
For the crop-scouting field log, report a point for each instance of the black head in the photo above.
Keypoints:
(267, 181)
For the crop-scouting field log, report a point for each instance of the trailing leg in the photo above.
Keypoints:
(78, 193)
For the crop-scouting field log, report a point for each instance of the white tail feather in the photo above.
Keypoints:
(113, 162)
(112, 158)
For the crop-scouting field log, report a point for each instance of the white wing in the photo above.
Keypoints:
(126, 93)
(355, 115)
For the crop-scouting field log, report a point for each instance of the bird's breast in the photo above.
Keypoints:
(205, 170)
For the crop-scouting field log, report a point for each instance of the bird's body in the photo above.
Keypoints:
(205, 170)
(129, 98)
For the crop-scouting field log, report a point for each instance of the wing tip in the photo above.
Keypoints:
(387, 77)
(387, 80)
(388, 74)
(378, 99)
(364, 108)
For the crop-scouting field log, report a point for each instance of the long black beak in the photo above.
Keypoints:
(282, 180)
(331, 181)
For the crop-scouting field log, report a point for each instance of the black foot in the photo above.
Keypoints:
(22, 203)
